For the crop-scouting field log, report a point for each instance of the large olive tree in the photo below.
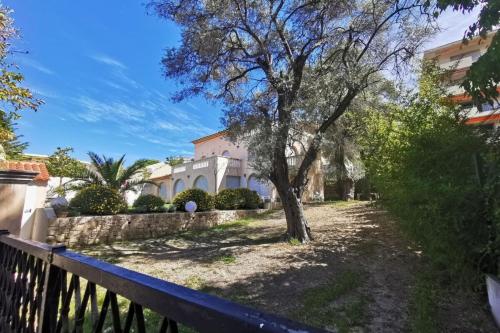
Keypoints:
(287, 70)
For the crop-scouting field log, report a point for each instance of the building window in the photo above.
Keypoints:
(233, 182)
(202, 183)
(225, 153)
(179, 186)
(488, 107)
(474, 55)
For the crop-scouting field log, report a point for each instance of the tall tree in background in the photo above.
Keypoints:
(288, 70)
(61, 164)
(10, 142)
(174, 160)
(13, 97)
(483, 77)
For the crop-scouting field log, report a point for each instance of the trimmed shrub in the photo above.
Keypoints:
(169, 207)
(239, 198)
(228, 199)
(98, 200)
(251, 198)
(149, 203)
(204, 201)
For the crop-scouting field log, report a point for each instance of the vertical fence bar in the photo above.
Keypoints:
(50, 297)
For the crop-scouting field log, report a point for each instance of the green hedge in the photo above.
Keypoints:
(439, 178)
(98, 200)
(149, 203)
(240, 198)
(204, 201)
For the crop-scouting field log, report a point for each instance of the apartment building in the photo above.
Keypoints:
(458, 57)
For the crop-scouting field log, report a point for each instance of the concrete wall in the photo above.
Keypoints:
(36, 194)
(11, 207)
(87, 230)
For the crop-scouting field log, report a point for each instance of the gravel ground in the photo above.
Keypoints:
(356, 246)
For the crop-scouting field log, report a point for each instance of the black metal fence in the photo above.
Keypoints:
(49, 289)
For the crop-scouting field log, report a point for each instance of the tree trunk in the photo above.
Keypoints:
(297, 226)
(346, 189)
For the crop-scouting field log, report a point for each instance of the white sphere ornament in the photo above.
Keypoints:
(190, 207)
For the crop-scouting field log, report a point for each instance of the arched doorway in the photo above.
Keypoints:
(201, 182)
(179, 186)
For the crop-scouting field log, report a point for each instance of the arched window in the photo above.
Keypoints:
(202, 183)
(179, 186)
(259, 186)
(225, 153)
(163, 191)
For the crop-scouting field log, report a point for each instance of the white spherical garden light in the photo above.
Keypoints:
(190, 206)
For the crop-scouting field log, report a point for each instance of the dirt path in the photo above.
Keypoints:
(356, 276)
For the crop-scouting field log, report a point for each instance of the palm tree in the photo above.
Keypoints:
(109, 172)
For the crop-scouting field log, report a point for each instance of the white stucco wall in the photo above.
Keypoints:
(36, 195)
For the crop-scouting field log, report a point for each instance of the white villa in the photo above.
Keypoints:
(219, 163)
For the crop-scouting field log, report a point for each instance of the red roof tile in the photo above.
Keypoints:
(43, 174)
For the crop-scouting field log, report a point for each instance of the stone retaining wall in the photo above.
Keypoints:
(87, 230)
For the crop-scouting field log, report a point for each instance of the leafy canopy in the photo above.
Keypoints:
(423, 160)
(13, 97)
(112, 173)
(61, 164)
(269, 60)
(174, 160)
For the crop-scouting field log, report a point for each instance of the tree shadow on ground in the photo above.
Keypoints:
(322, 266)
(199, 246)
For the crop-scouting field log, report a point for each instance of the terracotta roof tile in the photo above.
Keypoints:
(39, 167)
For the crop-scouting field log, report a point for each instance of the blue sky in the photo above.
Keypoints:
(96, 64)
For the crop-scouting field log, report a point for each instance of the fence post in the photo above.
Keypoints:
(51, 290)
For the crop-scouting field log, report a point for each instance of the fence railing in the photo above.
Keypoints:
(47, 289)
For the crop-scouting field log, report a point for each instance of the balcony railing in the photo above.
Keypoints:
(213, 162)
(234, 163)
(201, 164)
(294, 161)
(41, 291)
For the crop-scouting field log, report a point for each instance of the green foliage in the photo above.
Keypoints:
(323, 306)
(12, 147)
(227, 199)
(149, 203)
(13, 97)
(204, 201)
(98, 200)
(239, 198)
(174, 160)
(424, 304)
(169, 207)
(61, 164)
(112, 173)
(421, 160)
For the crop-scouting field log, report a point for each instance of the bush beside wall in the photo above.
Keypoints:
(149, 203)
(240, 198)
(98, 200)
(204, 201)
